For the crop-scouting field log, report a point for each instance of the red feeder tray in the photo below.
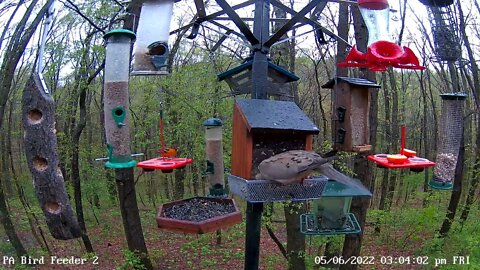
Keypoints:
(211, 224)
(415, 163)
(165, 164)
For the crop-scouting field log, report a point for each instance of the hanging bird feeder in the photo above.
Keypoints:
(444, 29)
(167, 162)
(351, 113)
(330, 215)
(381, 52)
(150, 53)
(406, 159)
(116, 98)
(451, 130)
(214, 149)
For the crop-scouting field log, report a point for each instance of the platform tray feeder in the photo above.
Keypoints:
(262, 129)
(406, 159)
(330, 214)
(165, 164)
(198, 215)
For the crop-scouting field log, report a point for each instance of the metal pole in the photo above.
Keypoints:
(259, 84)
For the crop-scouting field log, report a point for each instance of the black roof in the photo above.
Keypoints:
(273, 114)
(354, 81)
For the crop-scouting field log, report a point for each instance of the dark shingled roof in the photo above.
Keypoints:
(354, 81)
(272, 114)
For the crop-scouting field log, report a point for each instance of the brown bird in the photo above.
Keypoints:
(169, 152)
(296, 165)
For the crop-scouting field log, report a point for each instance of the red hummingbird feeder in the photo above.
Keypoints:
(381, 53)
(406, 159)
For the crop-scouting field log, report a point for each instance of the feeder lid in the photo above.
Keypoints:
(120, 31)
(337, 189)
(213, 122)
(275, 115)
(454, 96)
(436, 3)
(248, 65)
(352, 81)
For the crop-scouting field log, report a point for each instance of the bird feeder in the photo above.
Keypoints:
(451, 130)
(240, 79)
(406, 159)
(214, 149)
(262, 129)
(150, 53)
(446, 40)
(351, 113)
(330, 215)
(381, 52)
(115, 98)
(198, 215)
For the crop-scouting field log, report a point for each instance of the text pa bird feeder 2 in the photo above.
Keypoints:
(381, 52)
(150, 53)
(451, 130)
(198, 215)
(351, 113)
(262, 129)
(240, 79)
(214, 149)
(117, 60)
(330, 215)
(406, 159)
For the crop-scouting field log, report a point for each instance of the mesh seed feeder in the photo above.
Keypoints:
(381, 52)
(330, 215)
(117, 60)
(451, 129)
(150, 53)
(444, 29)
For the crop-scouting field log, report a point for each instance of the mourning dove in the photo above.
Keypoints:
(296, 165)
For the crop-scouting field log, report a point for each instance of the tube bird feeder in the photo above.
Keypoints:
(214, 149)
(451, 129)
(150, 53)
(116, 98)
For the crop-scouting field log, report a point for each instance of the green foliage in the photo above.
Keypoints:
(132, 261)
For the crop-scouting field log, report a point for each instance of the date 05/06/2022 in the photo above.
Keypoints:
(392, 260)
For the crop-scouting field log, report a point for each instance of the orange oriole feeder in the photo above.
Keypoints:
(167, 162)
(406, 159)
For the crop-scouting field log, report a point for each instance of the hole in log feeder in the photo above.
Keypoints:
(53, 207)
(40, 164)
(35, 116)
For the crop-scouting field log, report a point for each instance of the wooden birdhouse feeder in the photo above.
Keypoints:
(264, 128)
(240, 79)
(351, 106)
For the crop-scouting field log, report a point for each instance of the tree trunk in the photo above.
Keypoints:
(295, 239)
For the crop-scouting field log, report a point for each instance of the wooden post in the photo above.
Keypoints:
(38, 117)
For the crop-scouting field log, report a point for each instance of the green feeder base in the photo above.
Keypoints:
(308, 226)
(121, 165)
(440, 185)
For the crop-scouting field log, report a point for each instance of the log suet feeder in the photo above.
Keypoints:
(240, 79)
(150, 53)
(40, 142)
(330, 215)
(351, 113)
(451, 131)
(115, 98)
